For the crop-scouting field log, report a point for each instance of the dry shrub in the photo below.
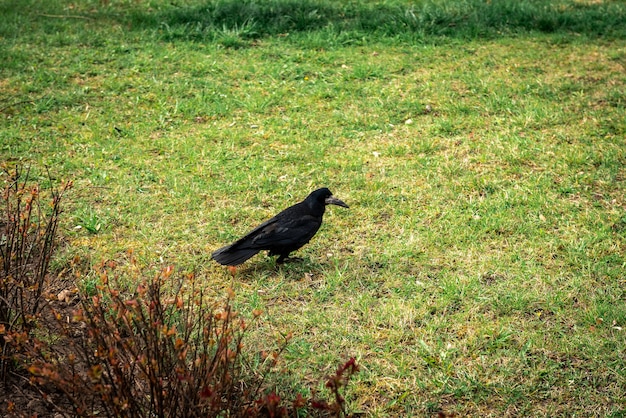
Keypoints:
(163, 350)
(27, 241)
(334, 384)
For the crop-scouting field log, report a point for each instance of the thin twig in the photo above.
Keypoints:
(65, 16)
(2, 109)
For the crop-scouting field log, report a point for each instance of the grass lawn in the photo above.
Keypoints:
(481, 146)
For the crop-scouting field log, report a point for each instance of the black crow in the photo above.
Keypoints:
(284, 233)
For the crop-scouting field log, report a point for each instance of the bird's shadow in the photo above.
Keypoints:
(294, 268)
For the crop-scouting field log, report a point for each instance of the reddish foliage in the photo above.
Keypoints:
(27, 241)
(334, 383)
(151, 355)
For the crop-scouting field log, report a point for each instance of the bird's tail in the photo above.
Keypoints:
(230, 255)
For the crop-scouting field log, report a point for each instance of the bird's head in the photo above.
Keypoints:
(325, 197)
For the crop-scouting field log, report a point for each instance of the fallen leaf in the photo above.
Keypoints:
(64, 296)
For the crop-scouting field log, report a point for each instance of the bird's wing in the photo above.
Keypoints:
(278, 232)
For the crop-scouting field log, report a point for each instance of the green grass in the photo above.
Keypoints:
(480, 145)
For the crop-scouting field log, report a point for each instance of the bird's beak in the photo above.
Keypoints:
(332, 200)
